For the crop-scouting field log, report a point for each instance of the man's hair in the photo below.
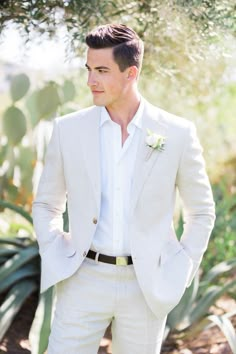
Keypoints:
(126, 44)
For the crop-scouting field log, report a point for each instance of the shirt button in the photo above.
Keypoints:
(84, 254)
(95, 221)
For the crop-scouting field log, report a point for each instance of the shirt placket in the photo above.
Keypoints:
(119, 188)
(117, 193)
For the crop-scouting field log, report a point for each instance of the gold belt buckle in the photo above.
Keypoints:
(122, 261)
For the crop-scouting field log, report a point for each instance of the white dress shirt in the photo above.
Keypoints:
(117, 165)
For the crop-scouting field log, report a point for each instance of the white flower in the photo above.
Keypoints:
(155, 141)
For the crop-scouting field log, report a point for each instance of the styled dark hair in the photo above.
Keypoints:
(126, 44)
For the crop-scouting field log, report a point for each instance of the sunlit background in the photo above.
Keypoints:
(189, 69)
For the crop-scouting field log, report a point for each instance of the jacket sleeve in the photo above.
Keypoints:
(196, 195)
(50, 200)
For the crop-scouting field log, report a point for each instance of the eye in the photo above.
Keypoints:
(102, 71)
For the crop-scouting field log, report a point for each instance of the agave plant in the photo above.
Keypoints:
(19, 278)
(191, 315)
(19, 272)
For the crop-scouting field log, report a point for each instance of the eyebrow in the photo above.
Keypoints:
(98, 67)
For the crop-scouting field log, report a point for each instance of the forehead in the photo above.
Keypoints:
(100, 57)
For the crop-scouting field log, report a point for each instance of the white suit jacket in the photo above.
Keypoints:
(164, 266)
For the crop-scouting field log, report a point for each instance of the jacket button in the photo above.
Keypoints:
(95, 221)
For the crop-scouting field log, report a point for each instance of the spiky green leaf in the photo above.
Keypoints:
(179, 317)
(218, 270)
(19, 259)
(227, 328)
(208, 299)
(13, 302)
(40, 328)
(14, 241)
(8, 252)
(17, 209)
(29, 270)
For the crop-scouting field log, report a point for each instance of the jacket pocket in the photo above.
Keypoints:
(62, 245)
(170, 249)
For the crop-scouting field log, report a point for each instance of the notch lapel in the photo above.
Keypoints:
(146, 158)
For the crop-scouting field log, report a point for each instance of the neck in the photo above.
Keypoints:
(123, 114)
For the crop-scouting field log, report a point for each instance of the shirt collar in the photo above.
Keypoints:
(136, 120)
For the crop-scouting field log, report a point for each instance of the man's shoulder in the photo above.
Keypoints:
(176, 122)
(78, 116)
(170, 119)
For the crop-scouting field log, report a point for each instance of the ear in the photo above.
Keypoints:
(132, 73)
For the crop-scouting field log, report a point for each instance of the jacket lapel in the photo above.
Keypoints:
(90, 138)
(146, 156)
(145, 159)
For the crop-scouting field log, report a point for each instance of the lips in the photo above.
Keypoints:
(95, 92)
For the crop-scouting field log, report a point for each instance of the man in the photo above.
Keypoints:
(118, 164)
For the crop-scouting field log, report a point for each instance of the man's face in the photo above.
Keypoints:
(107, 83)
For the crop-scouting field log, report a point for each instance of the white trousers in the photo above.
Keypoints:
(97, 294)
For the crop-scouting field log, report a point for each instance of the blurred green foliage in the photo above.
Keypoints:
(193, 313)
(222, 244)
(189, 69)
(20, 125)
(78, 15)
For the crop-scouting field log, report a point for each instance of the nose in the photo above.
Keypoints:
(92, 81)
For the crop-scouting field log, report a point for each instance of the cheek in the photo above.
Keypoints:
(113, 86)
(117, 86)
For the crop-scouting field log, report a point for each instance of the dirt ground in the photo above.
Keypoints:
(210, 341)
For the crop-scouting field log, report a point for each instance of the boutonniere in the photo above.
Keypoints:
(154, 141)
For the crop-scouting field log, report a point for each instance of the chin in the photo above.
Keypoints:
(98, 103)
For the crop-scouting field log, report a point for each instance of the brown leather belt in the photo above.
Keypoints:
(122, 261)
